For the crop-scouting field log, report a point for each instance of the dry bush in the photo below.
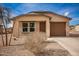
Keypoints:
(35, 42)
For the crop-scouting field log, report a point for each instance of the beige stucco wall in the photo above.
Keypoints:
(58, 18)
(32, 18)
(67, 28)
(22, 39)
(16, 29)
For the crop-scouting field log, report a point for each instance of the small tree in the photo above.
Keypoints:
(5, 18)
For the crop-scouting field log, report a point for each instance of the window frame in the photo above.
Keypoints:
(28, 27)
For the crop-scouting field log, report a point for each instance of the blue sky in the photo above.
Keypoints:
(68, 9)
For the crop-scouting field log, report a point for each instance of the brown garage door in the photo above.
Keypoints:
(57, 29)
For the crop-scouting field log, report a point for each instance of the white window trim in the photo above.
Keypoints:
(28, 27)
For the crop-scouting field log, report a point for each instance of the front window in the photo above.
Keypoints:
(28, 26)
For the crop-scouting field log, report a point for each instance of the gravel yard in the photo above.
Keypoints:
(18, 50)
(52, 49)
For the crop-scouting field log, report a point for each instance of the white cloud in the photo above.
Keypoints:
(66, 13)
(13, 15)
(9, 25)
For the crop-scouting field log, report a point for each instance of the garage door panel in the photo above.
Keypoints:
(57, 29)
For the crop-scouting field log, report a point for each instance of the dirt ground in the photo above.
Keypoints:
(17, 50)
(52, 49)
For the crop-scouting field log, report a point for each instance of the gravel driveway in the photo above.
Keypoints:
(69, 43)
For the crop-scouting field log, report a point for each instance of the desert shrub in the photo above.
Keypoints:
(35, 42)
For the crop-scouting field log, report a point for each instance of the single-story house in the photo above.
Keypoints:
(74, 31)
(77, 27)
(52, 24)
(74, 27)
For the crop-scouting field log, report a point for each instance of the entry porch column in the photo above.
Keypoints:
(67, 29)
(48, 28)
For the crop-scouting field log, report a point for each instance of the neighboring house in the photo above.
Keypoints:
(74, 31)
(77, 28)
(45, 22)
(74, 27)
